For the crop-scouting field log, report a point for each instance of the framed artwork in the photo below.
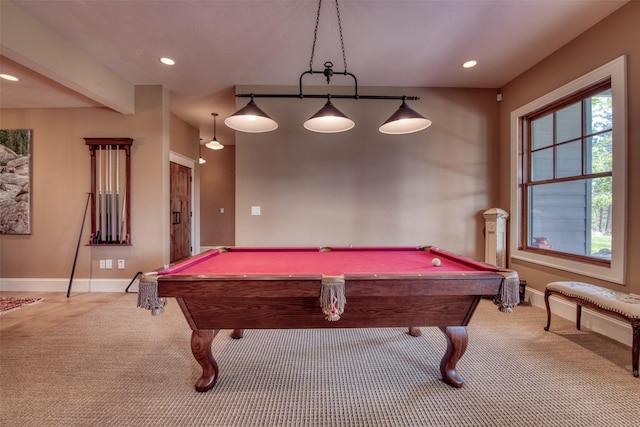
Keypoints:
(15, 181)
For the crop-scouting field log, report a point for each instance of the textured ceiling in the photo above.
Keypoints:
(219, 44)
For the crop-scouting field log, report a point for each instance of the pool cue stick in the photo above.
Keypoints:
(132, 280)
(122, 218)
(117, 194)
(104, 230)
(98, 237)
(75, 259)
(110, 194)
(108, 178)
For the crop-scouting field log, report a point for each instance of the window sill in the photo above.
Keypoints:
(613, 273)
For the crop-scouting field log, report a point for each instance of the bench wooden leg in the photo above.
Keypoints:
(547, 294)
(578, 315)
(635, 328)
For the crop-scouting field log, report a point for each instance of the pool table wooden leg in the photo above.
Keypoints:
(201, 348)
(457, 340)
(415, 331)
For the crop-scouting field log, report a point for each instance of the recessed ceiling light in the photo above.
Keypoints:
(470, 64)
(167, 61)
(9, 77)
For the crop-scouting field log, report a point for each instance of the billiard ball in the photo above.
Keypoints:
(436, 262)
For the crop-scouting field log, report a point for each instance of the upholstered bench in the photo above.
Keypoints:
(618, 304)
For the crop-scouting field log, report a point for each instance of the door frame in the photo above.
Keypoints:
(191, 164)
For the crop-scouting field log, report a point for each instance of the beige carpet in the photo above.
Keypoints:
(121, 366)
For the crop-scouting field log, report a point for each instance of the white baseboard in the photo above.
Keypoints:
(592, 320)
(62, 285)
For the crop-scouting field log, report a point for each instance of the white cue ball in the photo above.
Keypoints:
(436, 262)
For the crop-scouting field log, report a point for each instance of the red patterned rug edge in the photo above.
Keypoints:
(8, 304)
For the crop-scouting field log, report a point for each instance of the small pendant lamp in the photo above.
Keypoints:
(200, 160)
(214, 144)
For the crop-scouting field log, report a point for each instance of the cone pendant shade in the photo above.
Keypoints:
(404, 120)
(251, 119)
(214, 144)
(329, 120)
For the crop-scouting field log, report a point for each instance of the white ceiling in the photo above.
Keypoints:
(218, 44)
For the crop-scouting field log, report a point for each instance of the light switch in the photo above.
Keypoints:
(255, 210)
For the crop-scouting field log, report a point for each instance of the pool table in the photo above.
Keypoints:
(290, 288)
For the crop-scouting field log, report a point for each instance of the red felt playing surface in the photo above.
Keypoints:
(281, 261)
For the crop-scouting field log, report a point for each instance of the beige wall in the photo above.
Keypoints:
(184, 138)
(217, 191)
(61, 180)
(362, 187)
(616, 35)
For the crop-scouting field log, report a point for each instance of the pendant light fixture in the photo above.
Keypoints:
(251, 119)
(200, 159)
(404, 120)
(328, 119)
(214, 144)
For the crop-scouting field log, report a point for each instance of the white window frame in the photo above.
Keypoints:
(615, 69)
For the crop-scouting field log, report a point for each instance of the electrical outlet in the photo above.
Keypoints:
(108, 264)
(121, 264)
(102, 264)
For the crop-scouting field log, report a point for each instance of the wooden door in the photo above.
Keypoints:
(180, 218)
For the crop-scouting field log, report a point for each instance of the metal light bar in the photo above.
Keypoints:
(328, 73)
(313, 96)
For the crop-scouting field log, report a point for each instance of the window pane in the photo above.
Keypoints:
(542, 132)
(601, 210)
(542, 164)
(598, 113)
(569, 123)
(572, 217)
(601, 148)
(569, 159)
(559, 215)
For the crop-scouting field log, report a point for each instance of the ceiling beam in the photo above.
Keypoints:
(29, 42)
